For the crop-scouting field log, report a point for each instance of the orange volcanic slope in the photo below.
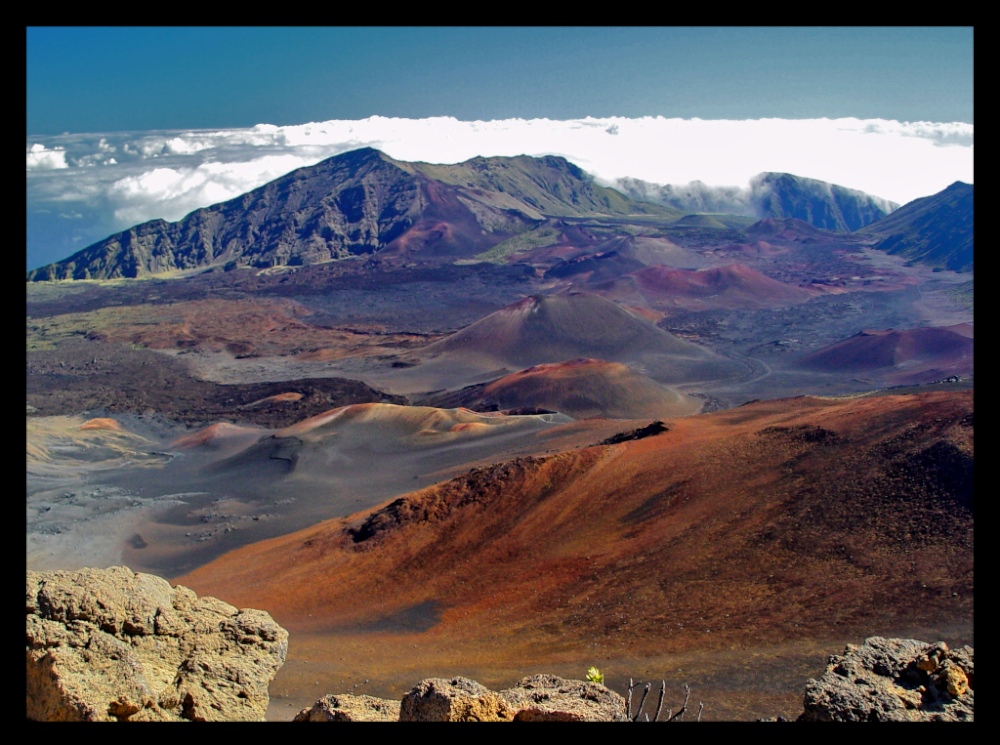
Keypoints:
(220, 436)
(914, 355)
(776, 520)
(587, 388)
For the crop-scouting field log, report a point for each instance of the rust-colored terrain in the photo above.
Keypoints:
(786, 520)
(580, 388)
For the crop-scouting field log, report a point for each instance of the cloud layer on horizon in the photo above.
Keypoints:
(83, 187)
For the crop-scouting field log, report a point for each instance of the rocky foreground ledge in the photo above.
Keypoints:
(114, 645)
(893, 680)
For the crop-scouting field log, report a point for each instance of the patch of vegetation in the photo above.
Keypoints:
(670, 716)
(543, 235)
(963, 294)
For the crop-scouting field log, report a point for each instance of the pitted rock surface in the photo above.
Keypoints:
(547, 698)
(454, 700)
(345, 707)
(893, 680)
(112, 644)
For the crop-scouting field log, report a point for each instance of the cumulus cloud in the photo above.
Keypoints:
(166, 174)
(40, 158)
(174, 192)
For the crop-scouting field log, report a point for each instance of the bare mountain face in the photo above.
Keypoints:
(935, 230)
(357, 203)
(818, 203)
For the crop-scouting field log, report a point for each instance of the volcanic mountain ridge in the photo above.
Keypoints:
(360, 202)
(935, 230)
(775, 195)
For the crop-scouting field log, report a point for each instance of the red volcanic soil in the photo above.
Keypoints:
(216, 436)
(901, 357)
(277, 398)
(586, 388)
(733, 286)
(785, 520)
(102, 423)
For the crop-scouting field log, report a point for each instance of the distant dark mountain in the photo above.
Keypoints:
(935, 230)
(818, 203)
(779, 195)
(361, 202)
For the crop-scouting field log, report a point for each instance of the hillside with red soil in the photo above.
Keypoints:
(732, 287)
(580, 388)
(783, 520)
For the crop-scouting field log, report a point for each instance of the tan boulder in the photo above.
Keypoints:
(894, 680)
(455, 700)
(345, 707)
(112, 644)
(547, 698)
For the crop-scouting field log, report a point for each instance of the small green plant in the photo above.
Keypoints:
(595, 676)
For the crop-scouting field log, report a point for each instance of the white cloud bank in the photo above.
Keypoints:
(127, 178)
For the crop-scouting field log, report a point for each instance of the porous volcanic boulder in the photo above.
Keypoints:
(111, 644)
(455, 700)
(547, 698)
(893, 680)
(345, 707)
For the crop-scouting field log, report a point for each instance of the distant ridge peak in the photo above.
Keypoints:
(357, 203)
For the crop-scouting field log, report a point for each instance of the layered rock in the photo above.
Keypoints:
(112, 644)
(893, 680)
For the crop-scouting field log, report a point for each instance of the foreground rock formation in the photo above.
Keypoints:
(881, 680)
(111, 644)
(893, 680)
(345, 707)
(538, 698)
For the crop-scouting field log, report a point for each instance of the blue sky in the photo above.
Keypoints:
(128, 124)
(115, 79)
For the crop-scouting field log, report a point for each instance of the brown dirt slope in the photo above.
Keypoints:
(778, 520)
(90, 376)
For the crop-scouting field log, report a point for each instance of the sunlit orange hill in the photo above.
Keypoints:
(777, 520)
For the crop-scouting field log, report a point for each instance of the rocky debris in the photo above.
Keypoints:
(547, 698)
(347, 708)
(112, 644)
(455, 700)
(538, 698)
(649, 430)
(893, 680)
